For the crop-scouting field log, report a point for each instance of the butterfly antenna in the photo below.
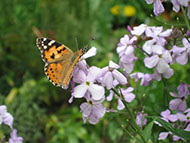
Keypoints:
(76, 43)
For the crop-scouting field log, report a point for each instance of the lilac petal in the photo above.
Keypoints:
(176, 6)
(127, 67)
(91, 52)
(157, 49)
(183, 89)
(182, 59)
(86, 109)
(129, 50)
(147, 47)
(108, 80)
(151, 62)
(156, 30)
(8, 120)
(80, 90)
(93, 74)
(100, 110)
(182, 106)
(128, 90)
(177, 50)
(79, 77)
(187, 128)
(83, 66)
(187, 110)
(93, 119)
(166, 33)
(133, 39)
(173, 94)
(129, 97)
(162, 66)
(168, 73)
(120, 105)
(113, 65)
(119, 77)
(149, 1)
(181, 117)
(124, 40)
(110, 96)
(121, 48)
(167, 56)
(96, 91)
(165, 113)
(163, 135)
(176, 138)
(157, 75)
(172, 118)
(138, 30)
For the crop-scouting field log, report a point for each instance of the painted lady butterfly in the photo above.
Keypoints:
(59, 60)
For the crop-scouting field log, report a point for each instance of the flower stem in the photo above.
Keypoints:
(137, 129)
(186, 18)
(165, 92)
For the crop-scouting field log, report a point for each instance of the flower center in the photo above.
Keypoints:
(111, 69)
(87, 83)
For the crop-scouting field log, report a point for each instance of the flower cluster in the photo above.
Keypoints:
(159, 8)
(181, 118)
(7, 119)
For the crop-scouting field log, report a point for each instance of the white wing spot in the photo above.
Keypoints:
(51, 42)
(45, 47)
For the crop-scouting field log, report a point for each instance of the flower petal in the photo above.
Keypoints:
(151, 62)
(119, 77)
(96, 91)
(80, 90)
(91, 52)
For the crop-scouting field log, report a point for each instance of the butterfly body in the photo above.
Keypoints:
(59, 60)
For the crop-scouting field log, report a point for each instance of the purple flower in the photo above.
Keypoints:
(178, 3)
(127, 94)
(180, 102)
(160, 59)
(126, 45)
(5, 117)
(158, 7)
(93, 110)
(87, 84)
(146, 78)
(14, 138)
(127, 62)
(140, 119)
(167, 116)
(164, 135)
(183, 53)
(111, 72)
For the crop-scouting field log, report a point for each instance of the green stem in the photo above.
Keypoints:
(165, 92)
(186, 18)
(137, 129)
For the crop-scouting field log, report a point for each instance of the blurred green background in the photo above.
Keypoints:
(41, 111)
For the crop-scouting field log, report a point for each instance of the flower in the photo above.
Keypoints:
(115, 9)
(88, 85)
(93, 110)
(140, 119)
(180, 102)
(5, 117)
(129, 10)
(167, 116)
(14, 138)
(110, 72)
(160, 59)
(158, 7)
(146, 78)
(126, 45)
(182, 53)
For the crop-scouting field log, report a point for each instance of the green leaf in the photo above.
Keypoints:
(168, 126)
(148, 130)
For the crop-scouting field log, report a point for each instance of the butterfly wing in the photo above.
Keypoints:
(59, 61)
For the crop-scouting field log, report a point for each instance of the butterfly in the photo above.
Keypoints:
(59, 60)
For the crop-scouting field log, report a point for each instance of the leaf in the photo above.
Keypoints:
(148, 130)
(168, 126)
